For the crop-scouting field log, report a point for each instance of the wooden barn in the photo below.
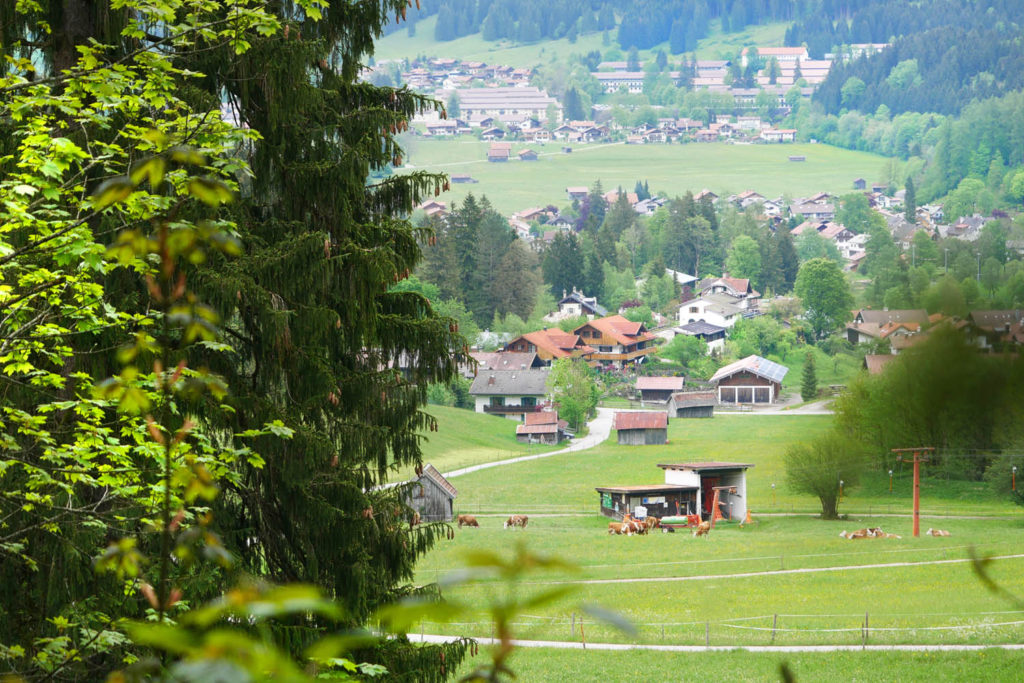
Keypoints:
(543, 427)
(750, 380)
(641, 428)
(658, 389)
(730, 478)
(660, 500)
(692, 404)
(432, 496)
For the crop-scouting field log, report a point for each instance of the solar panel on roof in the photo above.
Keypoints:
(771, 370)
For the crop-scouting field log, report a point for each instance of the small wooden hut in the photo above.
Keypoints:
(641, 428)
(432, 496)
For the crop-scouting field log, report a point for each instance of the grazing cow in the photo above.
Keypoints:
(703, 529)
(517, 521)
(937, 532)
(619, 529)
(652, 523)
(467, 520)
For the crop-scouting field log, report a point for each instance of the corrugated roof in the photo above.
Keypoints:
(431, 473)
(640, 420)
(711, 465)
(695, 399)
(762, 367)
(537, 428)
(659, 383)
(648, 488)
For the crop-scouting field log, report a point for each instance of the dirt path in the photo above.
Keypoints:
(774, 572)
(598, 430)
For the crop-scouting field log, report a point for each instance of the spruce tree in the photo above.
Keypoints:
(910, 201)
(809, 381)
(321, 342)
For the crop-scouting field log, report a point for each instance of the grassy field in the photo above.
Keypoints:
(729, 587)
(594, 666)
(673, 169)
(473, 48)
(467, 438)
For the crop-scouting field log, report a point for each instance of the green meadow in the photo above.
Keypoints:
(672, 169)
(596, 666)
(786, 579)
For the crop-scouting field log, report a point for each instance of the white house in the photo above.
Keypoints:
(716, 309)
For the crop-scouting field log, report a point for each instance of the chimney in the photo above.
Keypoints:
(522, 366)
(490, 381)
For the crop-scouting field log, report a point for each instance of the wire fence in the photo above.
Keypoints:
(881, 628)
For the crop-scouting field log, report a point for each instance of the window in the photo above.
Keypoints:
(694, 309)
(529, 402)
(497, 401)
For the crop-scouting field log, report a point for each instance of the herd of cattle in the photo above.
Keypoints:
(876, 532)
(512, 522)
(629, 526)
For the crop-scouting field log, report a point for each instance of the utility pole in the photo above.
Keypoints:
(945, 267)
(918, 455)
(979, 266)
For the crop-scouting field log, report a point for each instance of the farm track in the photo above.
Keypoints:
(569, 645)
(773, 572)
(599, 429)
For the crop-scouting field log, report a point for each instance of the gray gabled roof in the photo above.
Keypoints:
(700, 327)
(510, 383)
(762, 367)
(430, 472)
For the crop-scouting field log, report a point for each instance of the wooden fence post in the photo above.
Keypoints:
(572, 629)
(775, 623)
(707, 634)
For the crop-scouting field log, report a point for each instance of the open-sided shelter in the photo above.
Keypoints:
(751, 380)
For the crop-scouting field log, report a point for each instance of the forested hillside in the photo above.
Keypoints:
(944, 54)
(641, 24)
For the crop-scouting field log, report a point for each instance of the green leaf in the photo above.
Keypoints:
(112, 191)
(614, 618)
(210, 191)
(160, 636)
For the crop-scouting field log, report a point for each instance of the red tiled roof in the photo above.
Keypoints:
(544, 417)
(875, 363)
(537, 428)
(641, 420)
(622, 330)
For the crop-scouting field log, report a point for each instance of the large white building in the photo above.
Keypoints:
(507, 103)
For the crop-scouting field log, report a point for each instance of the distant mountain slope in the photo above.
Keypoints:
(946, 53)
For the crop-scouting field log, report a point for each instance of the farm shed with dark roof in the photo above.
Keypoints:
(432, 496)
(692, 404)
(641, 428)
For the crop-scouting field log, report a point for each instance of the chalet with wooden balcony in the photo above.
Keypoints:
(615, 341)
(509, 393)
(550, 344)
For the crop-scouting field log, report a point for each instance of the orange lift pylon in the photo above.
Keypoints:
(715, 512)
(918, 455)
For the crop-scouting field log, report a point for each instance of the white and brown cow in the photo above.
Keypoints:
(937, 532)
(517, 521)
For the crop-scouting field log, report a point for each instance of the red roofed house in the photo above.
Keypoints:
(641, 428)
(658, 389)
(544, 427)
(615, 341)
(550, 345)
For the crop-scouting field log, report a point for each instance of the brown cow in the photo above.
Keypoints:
(858, 534)
(467, 520)
(703, 529)
(619, 529)
(937, 532)
(517, 521)
(652, 523)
